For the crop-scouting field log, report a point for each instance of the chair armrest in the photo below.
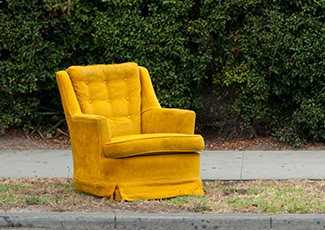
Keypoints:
(88, 134)
(162, 120)
(92, 125)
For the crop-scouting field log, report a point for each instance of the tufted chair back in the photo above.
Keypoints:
(113, 91)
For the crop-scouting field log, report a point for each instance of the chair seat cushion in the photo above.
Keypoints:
(148, 144)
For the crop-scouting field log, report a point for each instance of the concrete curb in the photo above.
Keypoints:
(160, 221)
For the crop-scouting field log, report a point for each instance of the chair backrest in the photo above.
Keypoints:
(113, 91)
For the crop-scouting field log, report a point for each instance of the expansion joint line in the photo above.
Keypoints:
(242, 165)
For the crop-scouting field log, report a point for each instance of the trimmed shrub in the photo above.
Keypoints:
(39, 38)
(157, 35)
(274, 60)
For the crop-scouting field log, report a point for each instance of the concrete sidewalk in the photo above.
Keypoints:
(254, 165)
(215, 165)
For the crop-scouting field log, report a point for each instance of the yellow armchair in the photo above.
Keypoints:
(124, 145)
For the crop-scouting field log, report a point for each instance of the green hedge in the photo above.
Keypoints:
(39, 38)
(270, 54)
(274, 58)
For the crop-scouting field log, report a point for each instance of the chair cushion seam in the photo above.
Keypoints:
(144, 153)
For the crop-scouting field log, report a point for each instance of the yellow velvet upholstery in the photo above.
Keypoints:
(124, 145)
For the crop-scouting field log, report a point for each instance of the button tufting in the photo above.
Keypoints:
(129, 116)
(89, 102)
(127, 98)
(105, 82)
(125, 79)
(112, 118)
(87, 83)
(109, 101)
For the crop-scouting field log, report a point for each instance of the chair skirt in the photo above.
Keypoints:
(145, 177)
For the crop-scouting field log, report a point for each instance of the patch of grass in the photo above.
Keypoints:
(5, 198)
(28, 192)
(7, 192)
(192, 203)
(139, 201)
(270, 197)
(10, 187)
(69, 187)
(4, 188)
(35, 200)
